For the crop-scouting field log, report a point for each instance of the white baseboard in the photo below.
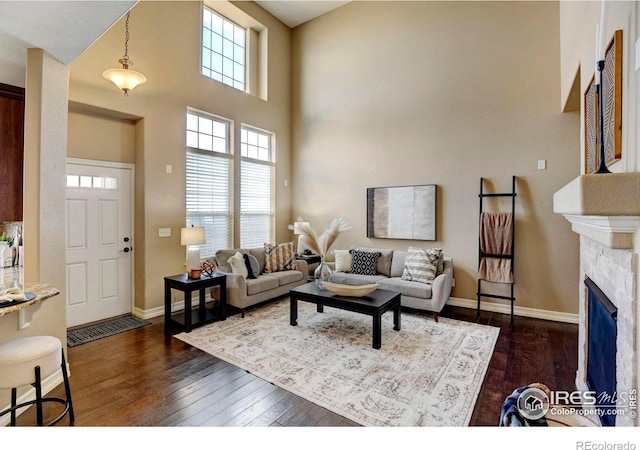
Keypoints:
(159, 310)
(503, 308)
(523, 311)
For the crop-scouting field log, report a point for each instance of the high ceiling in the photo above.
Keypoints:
(294, 13)
(66, 28)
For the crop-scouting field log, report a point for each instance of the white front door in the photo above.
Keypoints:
(99, 241)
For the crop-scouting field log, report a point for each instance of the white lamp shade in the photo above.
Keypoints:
(125, 79)
(192, 236)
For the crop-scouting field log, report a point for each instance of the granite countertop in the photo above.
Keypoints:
(12, 277)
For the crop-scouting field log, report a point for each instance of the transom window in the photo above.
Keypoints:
(89, 181)
(207, 133)
(255, 144)
(223, 50)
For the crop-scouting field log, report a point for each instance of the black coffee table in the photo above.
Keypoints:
(374, 304)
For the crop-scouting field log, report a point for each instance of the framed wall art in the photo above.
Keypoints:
(612, 99)
(402, 212)
(591, 127)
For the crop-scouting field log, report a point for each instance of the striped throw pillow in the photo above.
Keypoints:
(421, 265)
(279, 257)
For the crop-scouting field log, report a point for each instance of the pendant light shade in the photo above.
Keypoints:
(125, 78)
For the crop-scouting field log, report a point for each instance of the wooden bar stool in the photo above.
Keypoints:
(28, 361)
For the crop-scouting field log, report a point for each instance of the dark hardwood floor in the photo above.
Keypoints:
(142, 378)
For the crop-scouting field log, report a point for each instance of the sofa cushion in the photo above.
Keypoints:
(236, 262)
(408, 288)
(343, 261)
(384, 261)
(421, 265)
(261, 284)
(355, 280)
(397, 263)
(287, 276)
(364, 262)
(279, 257)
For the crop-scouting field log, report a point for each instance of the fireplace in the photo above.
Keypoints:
(602, 330)
(604, 209)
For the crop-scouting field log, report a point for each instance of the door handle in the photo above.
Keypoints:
(127, 249)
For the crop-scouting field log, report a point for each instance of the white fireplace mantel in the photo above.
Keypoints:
(611, 231)
(603, 207)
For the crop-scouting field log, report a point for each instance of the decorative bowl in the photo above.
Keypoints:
(348, 290)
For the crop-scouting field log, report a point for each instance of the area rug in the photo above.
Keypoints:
(427, 374)
(103, 330)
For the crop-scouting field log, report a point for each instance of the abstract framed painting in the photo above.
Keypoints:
(612, 99)
(591, 127)
(402, 212)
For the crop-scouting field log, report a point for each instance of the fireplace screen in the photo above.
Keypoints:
(601, 351)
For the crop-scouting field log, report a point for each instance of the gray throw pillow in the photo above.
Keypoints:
(253, 266)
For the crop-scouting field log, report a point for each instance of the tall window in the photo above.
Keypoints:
(257, 188)
(223, 50)
(209, 180)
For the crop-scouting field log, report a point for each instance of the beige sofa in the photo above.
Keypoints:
(243, 293)
(390, 265)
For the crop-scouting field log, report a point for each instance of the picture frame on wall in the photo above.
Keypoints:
(612, 99)
(402, 212)
(591, 127)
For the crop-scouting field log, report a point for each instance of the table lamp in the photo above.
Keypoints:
(296, 230)
(192, 237)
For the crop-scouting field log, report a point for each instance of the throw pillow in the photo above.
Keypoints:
(237, 265)
(279, 257)
(253, 266)
(364, 263)
(343, 260)
(421, 265)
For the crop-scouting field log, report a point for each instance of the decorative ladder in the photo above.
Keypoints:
(510, 256)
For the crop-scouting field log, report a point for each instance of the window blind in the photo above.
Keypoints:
(209, 199)
(257, 204)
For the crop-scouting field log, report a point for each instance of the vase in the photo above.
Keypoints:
(322, 273)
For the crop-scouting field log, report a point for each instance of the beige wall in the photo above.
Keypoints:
(401, 93)
(93, 135)
(165, 46)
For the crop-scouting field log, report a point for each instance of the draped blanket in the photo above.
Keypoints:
(496, 233)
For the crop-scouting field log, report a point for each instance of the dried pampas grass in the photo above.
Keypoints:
(321, 245)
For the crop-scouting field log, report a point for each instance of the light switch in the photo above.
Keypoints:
(169, 168)
(542, 164)
(164, 232)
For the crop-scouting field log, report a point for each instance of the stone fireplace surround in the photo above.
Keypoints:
(604, 209)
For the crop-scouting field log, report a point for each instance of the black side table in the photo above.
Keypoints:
(193, 317)
(310, 259)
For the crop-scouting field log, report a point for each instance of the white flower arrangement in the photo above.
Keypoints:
(321, 244)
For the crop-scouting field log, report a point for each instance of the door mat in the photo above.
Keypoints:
(103, 330)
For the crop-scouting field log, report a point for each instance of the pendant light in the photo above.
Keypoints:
(125, 78)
